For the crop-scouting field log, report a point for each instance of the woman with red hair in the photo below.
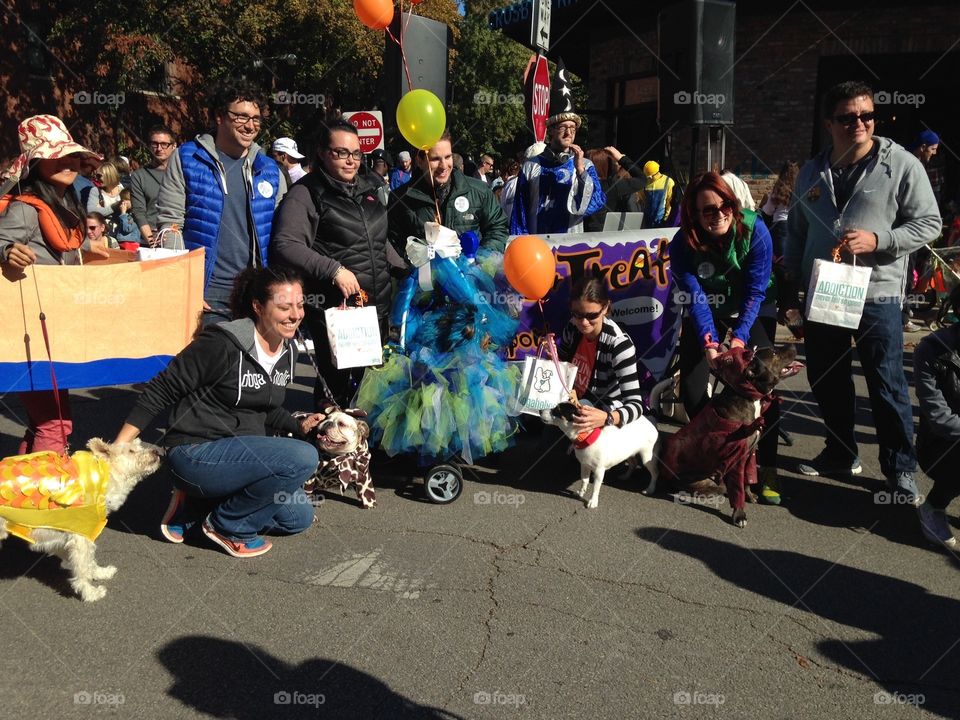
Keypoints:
(722, 262)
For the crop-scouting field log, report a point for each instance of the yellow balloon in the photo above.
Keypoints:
(421, 118)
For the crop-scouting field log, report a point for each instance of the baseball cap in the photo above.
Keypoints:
(403, 156)
(288, 146)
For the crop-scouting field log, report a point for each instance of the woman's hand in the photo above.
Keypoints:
(21, 256)
(712, 354)
(99, 247)
(588, 418)
(309, 422)
(127, 433)
(347, 282)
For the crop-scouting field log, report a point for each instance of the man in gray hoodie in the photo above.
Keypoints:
(219, 193)
(871, 195)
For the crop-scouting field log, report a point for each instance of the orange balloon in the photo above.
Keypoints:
(530, 266)
(375, 14)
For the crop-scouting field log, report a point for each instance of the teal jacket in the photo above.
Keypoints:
(471, 205)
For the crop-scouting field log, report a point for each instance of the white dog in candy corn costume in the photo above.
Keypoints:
(60, 504)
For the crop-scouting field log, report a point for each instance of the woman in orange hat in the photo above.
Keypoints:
(41, 222)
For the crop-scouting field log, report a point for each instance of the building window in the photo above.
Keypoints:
(634, 91)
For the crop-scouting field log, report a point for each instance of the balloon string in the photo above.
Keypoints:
(433, 188)
(403, 56)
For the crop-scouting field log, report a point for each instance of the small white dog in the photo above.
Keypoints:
(344, 455)
(79, 494)
(609, 447)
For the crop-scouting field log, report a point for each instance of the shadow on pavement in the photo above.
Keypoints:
(227, 679)
(916, 650)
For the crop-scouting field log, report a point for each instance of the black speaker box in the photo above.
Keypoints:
(696, 62)
(425, 44)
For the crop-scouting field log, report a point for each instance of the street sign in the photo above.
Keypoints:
(369, 127)
(540, 24)
(540, 99)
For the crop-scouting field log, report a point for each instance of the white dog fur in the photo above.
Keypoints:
(614, 446)
(129, 464)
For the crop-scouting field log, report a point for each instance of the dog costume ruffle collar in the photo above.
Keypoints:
(352, 468)
(47, 490)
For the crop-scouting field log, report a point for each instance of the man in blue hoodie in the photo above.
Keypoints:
(871, 195)
(220, 192)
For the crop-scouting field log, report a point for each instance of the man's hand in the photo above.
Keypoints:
(347, 282)
(860, 242)
(147, 232)
(712, 354)
(21, 256)
(613, 151)
(577, 158)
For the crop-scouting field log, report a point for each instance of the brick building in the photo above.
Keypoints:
(786, 55)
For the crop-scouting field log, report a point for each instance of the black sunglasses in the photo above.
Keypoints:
(848, 119)
(586, 316)
(712, 211)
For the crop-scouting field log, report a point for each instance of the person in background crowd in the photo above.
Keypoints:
(740, 188)
(722, 262)
(559, 187)
(96, 231)
(925, 147)
(775, 210)
(41, 221)
(220, 192)
(332, 228)
(284, 150)
(484, 169)
(458, 162)
(936, 364)
(380, 165)
(511, 172)
(108, 200)
(869, 198)
(122, 164)
(465, 203)
(617, 185)
(401, 173)
(145, 182)
(227, 440)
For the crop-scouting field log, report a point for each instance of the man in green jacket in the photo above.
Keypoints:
(465, 203)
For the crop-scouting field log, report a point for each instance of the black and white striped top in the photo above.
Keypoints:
(615, 384)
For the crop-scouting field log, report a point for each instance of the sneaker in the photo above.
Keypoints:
(912, 327)
(826, 464)
(769, 486)
(175, 524)
(237, 548)
(934, 525)
(905, 486)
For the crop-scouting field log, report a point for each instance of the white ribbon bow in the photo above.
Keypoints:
(440, 242)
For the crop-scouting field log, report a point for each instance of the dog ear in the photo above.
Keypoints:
(355, 413)
(787, 354)
(99, 447)
(363, 428)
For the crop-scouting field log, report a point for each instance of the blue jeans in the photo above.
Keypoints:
(879, 342)
(258, 481)
(219, 301)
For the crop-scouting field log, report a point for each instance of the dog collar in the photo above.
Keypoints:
(586, 439)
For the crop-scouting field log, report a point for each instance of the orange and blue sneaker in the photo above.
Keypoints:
(238, 548)
(176, 522)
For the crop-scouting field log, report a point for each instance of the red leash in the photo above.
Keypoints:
(53, 374)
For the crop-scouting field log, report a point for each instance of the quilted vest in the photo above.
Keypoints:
(203, 203)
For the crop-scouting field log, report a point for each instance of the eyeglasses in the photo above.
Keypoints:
(712, 211)
(486, 162)
(591, 316)
(93, 227)
(97, 176)
(243, 118)
(343, 153)
(570, 128)
(164, 145)
(849, 119)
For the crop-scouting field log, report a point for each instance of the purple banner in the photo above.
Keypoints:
(637, 267)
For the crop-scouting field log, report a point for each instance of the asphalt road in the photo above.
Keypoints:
(514, 601)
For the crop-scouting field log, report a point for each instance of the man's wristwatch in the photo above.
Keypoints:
(609, 421)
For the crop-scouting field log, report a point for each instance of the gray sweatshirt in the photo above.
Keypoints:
(892, 199)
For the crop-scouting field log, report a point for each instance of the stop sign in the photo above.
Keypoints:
(369, 129)
(540, 104)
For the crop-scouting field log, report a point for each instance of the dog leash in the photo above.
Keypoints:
(53, 374)
(323, 383)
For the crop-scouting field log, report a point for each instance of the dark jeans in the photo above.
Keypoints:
(695, 373)
(219, 301)
(879, 341)
(342, 383)
(259, 481)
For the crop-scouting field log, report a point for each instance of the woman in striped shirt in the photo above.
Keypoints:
(605, 357)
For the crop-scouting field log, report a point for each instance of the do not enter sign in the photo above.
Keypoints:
(540, 105)
(369, 127)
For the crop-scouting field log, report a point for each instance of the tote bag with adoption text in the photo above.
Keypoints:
(837, 293)
(354, 335)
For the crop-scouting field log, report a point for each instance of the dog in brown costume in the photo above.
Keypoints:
(718, 446)
(344, 455)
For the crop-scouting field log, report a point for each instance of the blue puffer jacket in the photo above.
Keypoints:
(192, 197)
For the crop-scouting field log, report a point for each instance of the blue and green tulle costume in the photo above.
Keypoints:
(443, 390)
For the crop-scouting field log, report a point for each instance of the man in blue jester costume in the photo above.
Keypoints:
(559, 187)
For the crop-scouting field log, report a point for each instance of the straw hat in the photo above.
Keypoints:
(44, 137)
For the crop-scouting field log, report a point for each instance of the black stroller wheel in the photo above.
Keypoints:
(443, 484)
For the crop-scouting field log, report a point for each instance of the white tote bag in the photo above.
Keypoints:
(837, 293)
(540, 386)
(354, 335)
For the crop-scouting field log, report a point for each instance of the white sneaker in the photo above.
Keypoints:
(934, 525)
